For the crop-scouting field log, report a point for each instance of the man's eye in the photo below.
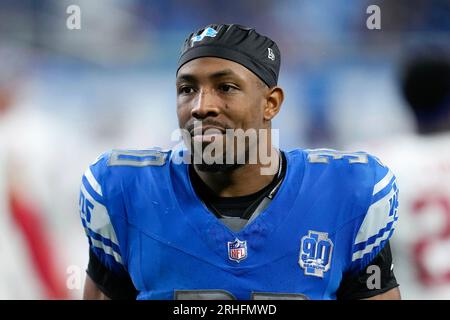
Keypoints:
(227, 88)
(185, 90)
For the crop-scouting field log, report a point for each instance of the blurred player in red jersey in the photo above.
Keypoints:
(29, 262)
(422, 165)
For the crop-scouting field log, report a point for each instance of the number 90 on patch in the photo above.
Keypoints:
(315, 253)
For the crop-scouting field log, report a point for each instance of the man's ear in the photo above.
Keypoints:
(274, 99)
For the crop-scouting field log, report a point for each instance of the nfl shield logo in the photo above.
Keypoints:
(237, 250)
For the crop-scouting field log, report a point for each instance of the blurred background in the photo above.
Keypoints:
(67, 96)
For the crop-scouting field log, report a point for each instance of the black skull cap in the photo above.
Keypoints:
(237, 43)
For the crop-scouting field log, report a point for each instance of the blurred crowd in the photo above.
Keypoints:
(67, 96)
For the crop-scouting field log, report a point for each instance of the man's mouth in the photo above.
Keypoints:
(207, 134)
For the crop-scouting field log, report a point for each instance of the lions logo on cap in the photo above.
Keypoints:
(208, 32)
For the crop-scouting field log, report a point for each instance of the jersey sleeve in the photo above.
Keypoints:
(354, 286)
(377, 225)
(100, 227)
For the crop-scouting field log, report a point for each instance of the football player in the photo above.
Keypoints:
(421, 161)
(316, 227)
(30, 267)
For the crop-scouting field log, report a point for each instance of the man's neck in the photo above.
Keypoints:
(243, 180)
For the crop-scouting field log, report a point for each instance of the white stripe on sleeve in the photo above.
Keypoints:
(377, 218)
(100, 222)
(380, 185)
(93, 182)
(359, 254)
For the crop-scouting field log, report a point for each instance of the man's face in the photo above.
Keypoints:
(222, 95)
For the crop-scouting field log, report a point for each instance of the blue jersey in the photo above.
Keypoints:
(332, 214)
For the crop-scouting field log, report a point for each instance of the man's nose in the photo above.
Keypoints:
(206, 105)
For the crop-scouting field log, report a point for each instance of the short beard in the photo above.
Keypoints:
(219, 167)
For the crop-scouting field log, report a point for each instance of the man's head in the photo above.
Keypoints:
(425, 85)
(227, 79)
